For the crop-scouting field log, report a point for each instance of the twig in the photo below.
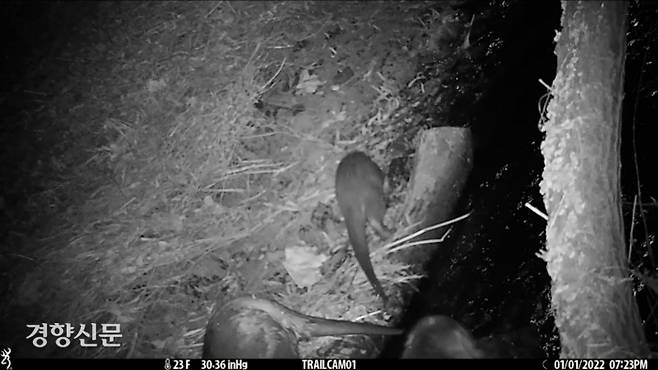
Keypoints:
(420, 242)
(267, 84)
(630, 236)
(213, 9)
(537, 211)
(430, 228)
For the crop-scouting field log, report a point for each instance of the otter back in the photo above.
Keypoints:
(237, 330)
(440, 337)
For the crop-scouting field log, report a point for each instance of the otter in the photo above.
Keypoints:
(360, 195)
(248, 327)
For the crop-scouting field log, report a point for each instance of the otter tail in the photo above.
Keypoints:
(356, 231)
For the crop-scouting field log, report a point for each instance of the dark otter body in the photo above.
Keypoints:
(258, 328)
(440, 337)
(360, 196)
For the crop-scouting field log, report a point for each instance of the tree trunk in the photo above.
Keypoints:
(595, 310)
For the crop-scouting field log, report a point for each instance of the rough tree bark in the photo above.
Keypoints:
(595, 311)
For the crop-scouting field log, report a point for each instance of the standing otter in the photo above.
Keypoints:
(440, 337)
(259, 328)
(360, 195)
